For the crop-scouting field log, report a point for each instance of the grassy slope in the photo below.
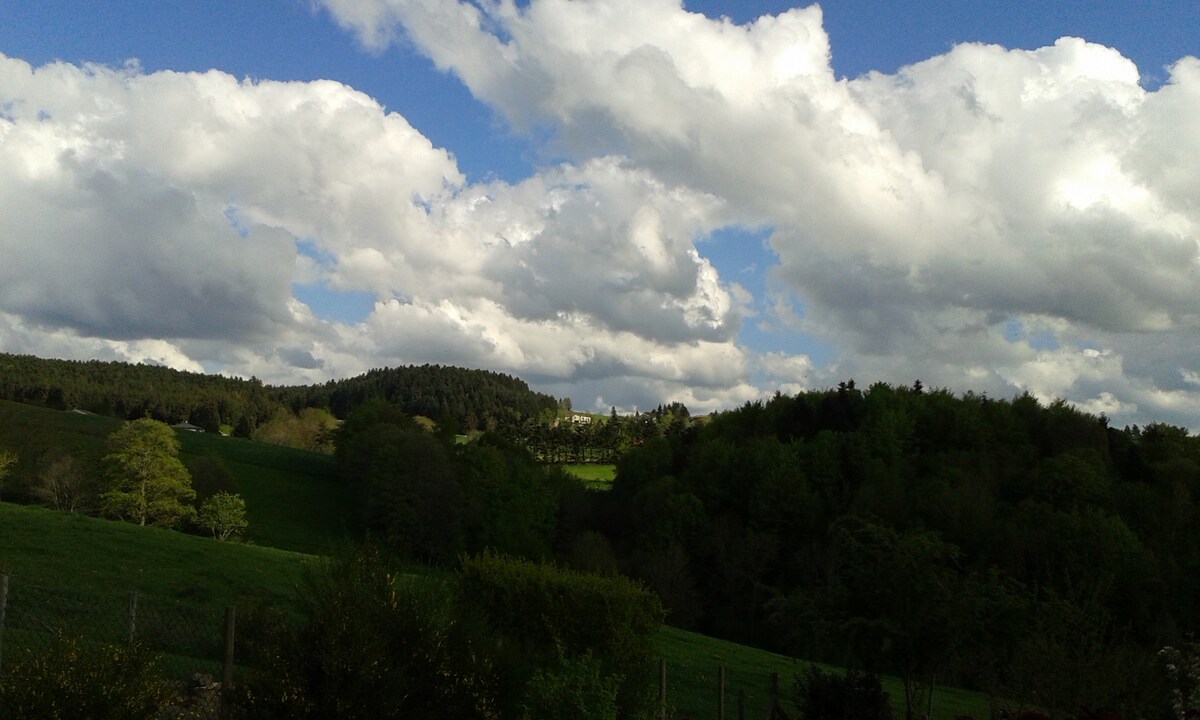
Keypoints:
(693, 659)
(294, 500)
(79, 554)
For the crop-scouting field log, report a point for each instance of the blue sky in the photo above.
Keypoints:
(629, 213)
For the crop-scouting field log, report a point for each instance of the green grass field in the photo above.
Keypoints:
(106, 558)
(593, 475)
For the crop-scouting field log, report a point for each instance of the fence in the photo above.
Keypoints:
(194, 641)
(190, 641)
(692, 692)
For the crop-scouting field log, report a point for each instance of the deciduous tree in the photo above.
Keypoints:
(62, 485)
(224, 514)
(147, 480)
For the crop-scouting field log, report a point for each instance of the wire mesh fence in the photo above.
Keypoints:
(192, 645)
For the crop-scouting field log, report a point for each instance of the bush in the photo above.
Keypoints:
(372, 643)
(583, 625)
(502, 638)
(856, 695)
(71, 679)
(574, 688)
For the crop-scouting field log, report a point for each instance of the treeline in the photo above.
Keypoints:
(127, 391)
(432, 498)
(459, 400)
(600, 439)
(1033, 552)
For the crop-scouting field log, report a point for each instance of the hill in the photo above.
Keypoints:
(64, 556)
(458, 398)
(294, 500)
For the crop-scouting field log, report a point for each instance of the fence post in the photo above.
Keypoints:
(131, 616)
(227, 663)
(662, 688)
(720, 692)
(776, 705)
(3, 607)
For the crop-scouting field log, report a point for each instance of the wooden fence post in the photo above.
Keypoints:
(721, 692)
(662, 688)
(227, 663)
(3, 607)
(131, 616)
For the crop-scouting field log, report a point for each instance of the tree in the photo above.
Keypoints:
(147, 480)
(7, 460)
(62, 485)
(224, 514)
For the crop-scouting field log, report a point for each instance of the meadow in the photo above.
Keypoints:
(597, 476)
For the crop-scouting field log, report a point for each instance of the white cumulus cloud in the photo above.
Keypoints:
(916, 215)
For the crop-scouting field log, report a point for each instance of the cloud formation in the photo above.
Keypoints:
(919, 217)
(165, 217)
(989, 219)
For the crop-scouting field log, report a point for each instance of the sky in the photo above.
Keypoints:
(624, 202)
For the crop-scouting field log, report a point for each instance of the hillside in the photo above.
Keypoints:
(66, 556)
(293, 498)
(458, 398)
(76, 554)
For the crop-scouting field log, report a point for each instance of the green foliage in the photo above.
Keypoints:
(432, 499)
(882, 527)
(458, 399)
(310, 429)
(7, 460)
(576, 687)
(550, 613)
(372, 644)
(855, 695)
(70, 679)
(132, 391)
(224, 514)
(147, 480)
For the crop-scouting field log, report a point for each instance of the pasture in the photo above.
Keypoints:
(596, 476)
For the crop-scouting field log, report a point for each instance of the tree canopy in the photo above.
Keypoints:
(147, 482)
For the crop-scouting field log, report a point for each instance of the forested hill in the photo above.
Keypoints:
(459, 398)
(468, 399)
(1032, 551)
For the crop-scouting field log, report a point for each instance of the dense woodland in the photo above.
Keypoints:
(458, 399)
(1029, 551)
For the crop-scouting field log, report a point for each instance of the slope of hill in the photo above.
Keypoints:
(75, 555)
(104, 558)
(467, 399)
(294, 500)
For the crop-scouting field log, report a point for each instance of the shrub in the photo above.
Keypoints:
(575, 687)
(856, 695)
(372, 643)
(70, 678)
(569, 620)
